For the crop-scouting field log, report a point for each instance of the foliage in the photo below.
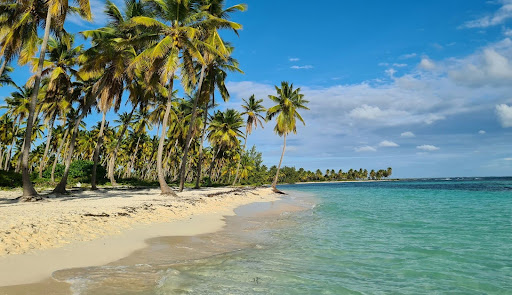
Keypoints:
(82, 170)
(10, 179)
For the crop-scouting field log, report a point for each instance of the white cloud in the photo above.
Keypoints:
(407, 134)
(427, 64)
(427, 147)
(399, 65)
(384, 64)
(507, 32)
(390, 72)
(409, 55)
(292, 59)
(306, 67)
(481, 132)
(500, 16)
(507, 159)
(504, 115)
(365, 149)
(367, 112)
(488, 68)
(98, 14)
(387, 143)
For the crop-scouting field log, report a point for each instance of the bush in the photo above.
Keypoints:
(82, 170)
(10, 179)
(59, 171)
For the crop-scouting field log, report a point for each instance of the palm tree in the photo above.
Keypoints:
(175, 25)
(289, 101)
(224, 131)
(19, 23)
(213, 47)
(253, 109)
(214, 79)
(57, 10)
(59, 68)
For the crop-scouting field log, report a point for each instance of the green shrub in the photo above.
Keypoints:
(10, 179)
(59, 171)
(82, 170)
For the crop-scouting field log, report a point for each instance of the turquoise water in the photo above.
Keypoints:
(407, 237)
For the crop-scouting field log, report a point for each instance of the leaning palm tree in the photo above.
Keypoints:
(289, 101)
(253, 109)
(56, 10)
(213, 46)
(175, 23)
(214, 79)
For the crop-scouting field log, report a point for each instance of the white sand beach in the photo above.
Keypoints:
(96, 227)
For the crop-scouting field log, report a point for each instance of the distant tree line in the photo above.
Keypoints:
(261, 174)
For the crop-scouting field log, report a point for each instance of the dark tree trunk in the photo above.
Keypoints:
(57, 155)
(97, 152)
(112, 161)
(200, 160)
(2, 68)
(47, 147)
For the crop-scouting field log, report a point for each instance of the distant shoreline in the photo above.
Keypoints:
(342, 181)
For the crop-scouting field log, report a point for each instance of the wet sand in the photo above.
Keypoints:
(143, 268)
(94, 228)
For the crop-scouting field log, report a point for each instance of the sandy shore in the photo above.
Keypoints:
(96, 227)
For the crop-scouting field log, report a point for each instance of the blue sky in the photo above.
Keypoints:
(422, 86)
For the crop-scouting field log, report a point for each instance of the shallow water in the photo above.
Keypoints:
(410, 237)
(423, 236)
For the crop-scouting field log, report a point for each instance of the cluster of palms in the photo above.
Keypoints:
(142, 51)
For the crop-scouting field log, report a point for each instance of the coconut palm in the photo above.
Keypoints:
(19, 23)
(253, 109)
(214, 79)
(59, 68)
(213, 47)
(174, 23)
(224, 131)
(289, 101)
(56, 10)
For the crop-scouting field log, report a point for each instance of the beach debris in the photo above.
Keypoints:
(97, 215)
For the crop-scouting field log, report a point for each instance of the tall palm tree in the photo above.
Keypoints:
(214, 79)
(253, 109)
(174, 23)
(59, 68)
(58, 11)
(289, 101)
(213, 46)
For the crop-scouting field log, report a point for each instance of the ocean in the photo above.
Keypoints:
(432, 236)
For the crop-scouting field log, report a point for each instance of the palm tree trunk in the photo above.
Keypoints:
(57, 155)
(29, 193)
(97, 152)
(1, 157)
(190, 130)
(133, 158)
(8, 160)
(112, 161)
(2, 68)
(200, 160)
(47, 147)
(279, 167)
(240, 160)
(213, 163)
(161, 178)
(61, 187)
